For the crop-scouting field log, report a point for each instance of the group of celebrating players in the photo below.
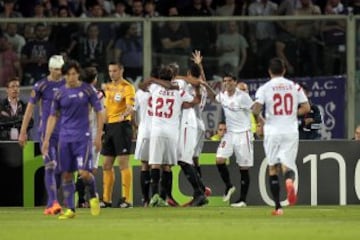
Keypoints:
(167, 109)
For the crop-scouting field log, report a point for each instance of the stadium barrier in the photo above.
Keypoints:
(329, 173)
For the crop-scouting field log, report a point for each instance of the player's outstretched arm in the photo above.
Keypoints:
(25, 124)
(211, 92)
(165, 84)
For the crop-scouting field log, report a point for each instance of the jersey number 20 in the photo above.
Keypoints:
(283, 105)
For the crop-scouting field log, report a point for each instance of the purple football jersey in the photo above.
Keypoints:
(44, 91)
(74, 105)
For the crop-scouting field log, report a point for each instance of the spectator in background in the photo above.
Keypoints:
(357, 133)
(232, 49)
(128, 50)
(105, 29)
(334, 36)
(9, 62)
(204, 40)
(231, 8)
(137, 8)
(208, 6)
(35, 54)
(299, 35)
(262, 34)
(28, 33)
(150, 9)
(310, 123)
(39, 11)
(120, 9)
(9, 11)
(175, 41)
(16, 40)
(91, 49)
(12, 110)
(220, 131)
(108, 6)
(63, 34)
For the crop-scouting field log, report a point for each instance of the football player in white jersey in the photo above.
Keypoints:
(199, 108)
(189, 139)
(142, 112)
(238, 139)
(166, 111)
(284, 101)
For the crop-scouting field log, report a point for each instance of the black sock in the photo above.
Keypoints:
(169, 184)
(198, 169)
(245, 182)
(275, 190)
(80, 188)
(289, 174)
(224, 173)
(191, 174)
(155, 179)
(145, 184)
(166, 177)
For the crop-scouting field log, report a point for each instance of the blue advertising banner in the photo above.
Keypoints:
(326, 92)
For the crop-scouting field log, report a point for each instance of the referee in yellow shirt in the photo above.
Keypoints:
(119, 102)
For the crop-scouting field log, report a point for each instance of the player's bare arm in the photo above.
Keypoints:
(100, 125)
(197, 99)
(304, 109)
(50, 125)
(166, 84)
(145, 84)
(197, 59)
(25, 124)
(211, 92)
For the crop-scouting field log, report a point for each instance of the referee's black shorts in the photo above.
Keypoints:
(117, 139)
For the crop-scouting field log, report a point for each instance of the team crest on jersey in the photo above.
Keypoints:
(33, 93)
(80, 161)
(81, 94)
(117, 97)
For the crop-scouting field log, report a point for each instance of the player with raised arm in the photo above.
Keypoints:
(166, 111)
(238, 139)
(43, 92)
(281, 98)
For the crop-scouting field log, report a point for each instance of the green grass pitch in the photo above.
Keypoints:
(220, 223)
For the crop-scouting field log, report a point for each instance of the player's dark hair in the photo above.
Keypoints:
(222, 122)
(119, 64)
(89, 75)
(277, 66)
(195, 70)
(230, 75)
(155, 72)
(166, 73)
(12, 79)
(69, 65)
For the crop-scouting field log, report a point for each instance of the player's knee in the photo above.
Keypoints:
(145, 166)
(220, 160)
